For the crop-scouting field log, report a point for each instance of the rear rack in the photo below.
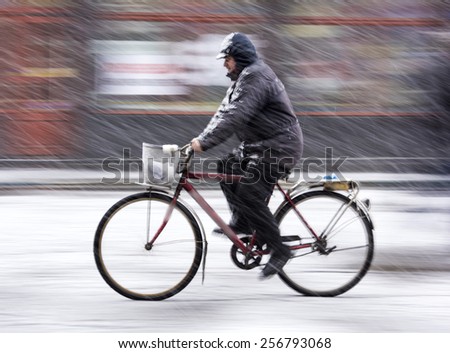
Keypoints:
(350, 186)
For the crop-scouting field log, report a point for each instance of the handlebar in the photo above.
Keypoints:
(187, 150)
(186, 154)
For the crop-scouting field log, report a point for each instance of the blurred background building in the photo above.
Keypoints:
(83, 80)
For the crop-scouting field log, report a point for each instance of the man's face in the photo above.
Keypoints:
(230, 64)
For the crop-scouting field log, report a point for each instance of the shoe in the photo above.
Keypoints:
(219, 231)
(276, 263)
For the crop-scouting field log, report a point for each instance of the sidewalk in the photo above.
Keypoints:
(49, 178)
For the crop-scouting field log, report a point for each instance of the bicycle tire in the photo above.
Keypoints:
(326, 275)
(124, 262)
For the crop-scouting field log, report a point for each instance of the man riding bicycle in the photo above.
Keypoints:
(257, 109)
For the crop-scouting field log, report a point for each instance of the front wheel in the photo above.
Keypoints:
(342, 257)
(132, 267)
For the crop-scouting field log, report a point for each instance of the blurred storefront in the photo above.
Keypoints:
(86, 79)
(43, 81)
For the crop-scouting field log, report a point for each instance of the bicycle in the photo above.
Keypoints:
(150, 245)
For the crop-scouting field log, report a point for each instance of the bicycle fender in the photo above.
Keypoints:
(363, 208)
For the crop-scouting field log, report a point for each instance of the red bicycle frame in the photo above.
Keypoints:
(184, 184)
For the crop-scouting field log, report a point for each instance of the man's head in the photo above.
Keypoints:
(238, 52)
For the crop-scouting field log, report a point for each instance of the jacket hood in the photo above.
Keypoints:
(241, 48)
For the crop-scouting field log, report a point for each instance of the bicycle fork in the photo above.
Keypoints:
(170, 208)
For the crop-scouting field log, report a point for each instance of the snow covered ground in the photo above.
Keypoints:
(49, 282)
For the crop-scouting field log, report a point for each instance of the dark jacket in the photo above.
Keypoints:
(257, 109)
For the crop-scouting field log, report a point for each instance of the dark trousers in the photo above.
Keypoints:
(248, 199)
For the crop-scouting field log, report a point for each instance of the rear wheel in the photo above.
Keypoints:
(340, 260)
(132, 267)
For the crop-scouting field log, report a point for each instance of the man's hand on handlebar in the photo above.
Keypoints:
(196, 147)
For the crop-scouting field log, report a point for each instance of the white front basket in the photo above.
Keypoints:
(159, 164)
